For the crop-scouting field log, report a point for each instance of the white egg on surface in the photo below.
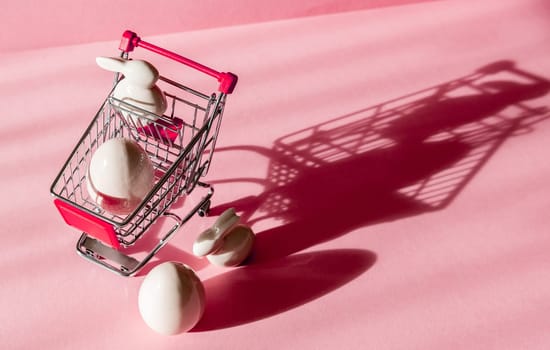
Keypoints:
(120, 175)
(171, 298)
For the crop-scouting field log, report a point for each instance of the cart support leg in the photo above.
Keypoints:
(124, 265)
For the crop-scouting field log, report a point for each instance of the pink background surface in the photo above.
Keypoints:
(415, 217)
(65, 22)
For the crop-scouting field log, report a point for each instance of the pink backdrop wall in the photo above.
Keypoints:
(27, 24)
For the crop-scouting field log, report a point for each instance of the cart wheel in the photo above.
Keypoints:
(204, 209)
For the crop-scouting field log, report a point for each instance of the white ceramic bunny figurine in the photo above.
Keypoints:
(225, 243)
(137, 88)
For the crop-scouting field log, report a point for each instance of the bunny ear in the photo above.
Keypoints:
(113, 64)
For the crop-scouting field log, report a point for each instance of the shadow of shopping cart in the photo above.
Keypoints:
(403, 157)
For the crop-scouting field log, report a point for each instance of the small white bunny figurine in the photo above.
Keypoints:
(137, 88)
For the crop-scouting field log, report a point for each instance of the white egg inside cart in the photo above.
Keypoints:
(119, 176)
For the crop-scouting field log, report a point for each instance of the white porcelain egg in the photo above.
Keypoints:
(120, 175)
(171, 298)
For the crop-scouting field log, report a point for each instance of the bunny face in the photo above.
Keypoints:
(137, 88)
(137, 72)
(141, 73)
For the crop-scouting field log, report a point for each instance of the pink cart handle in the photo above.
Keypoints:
(130, 40)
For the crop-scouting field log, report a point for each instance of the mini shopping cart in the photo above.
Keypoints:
(180, 145)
